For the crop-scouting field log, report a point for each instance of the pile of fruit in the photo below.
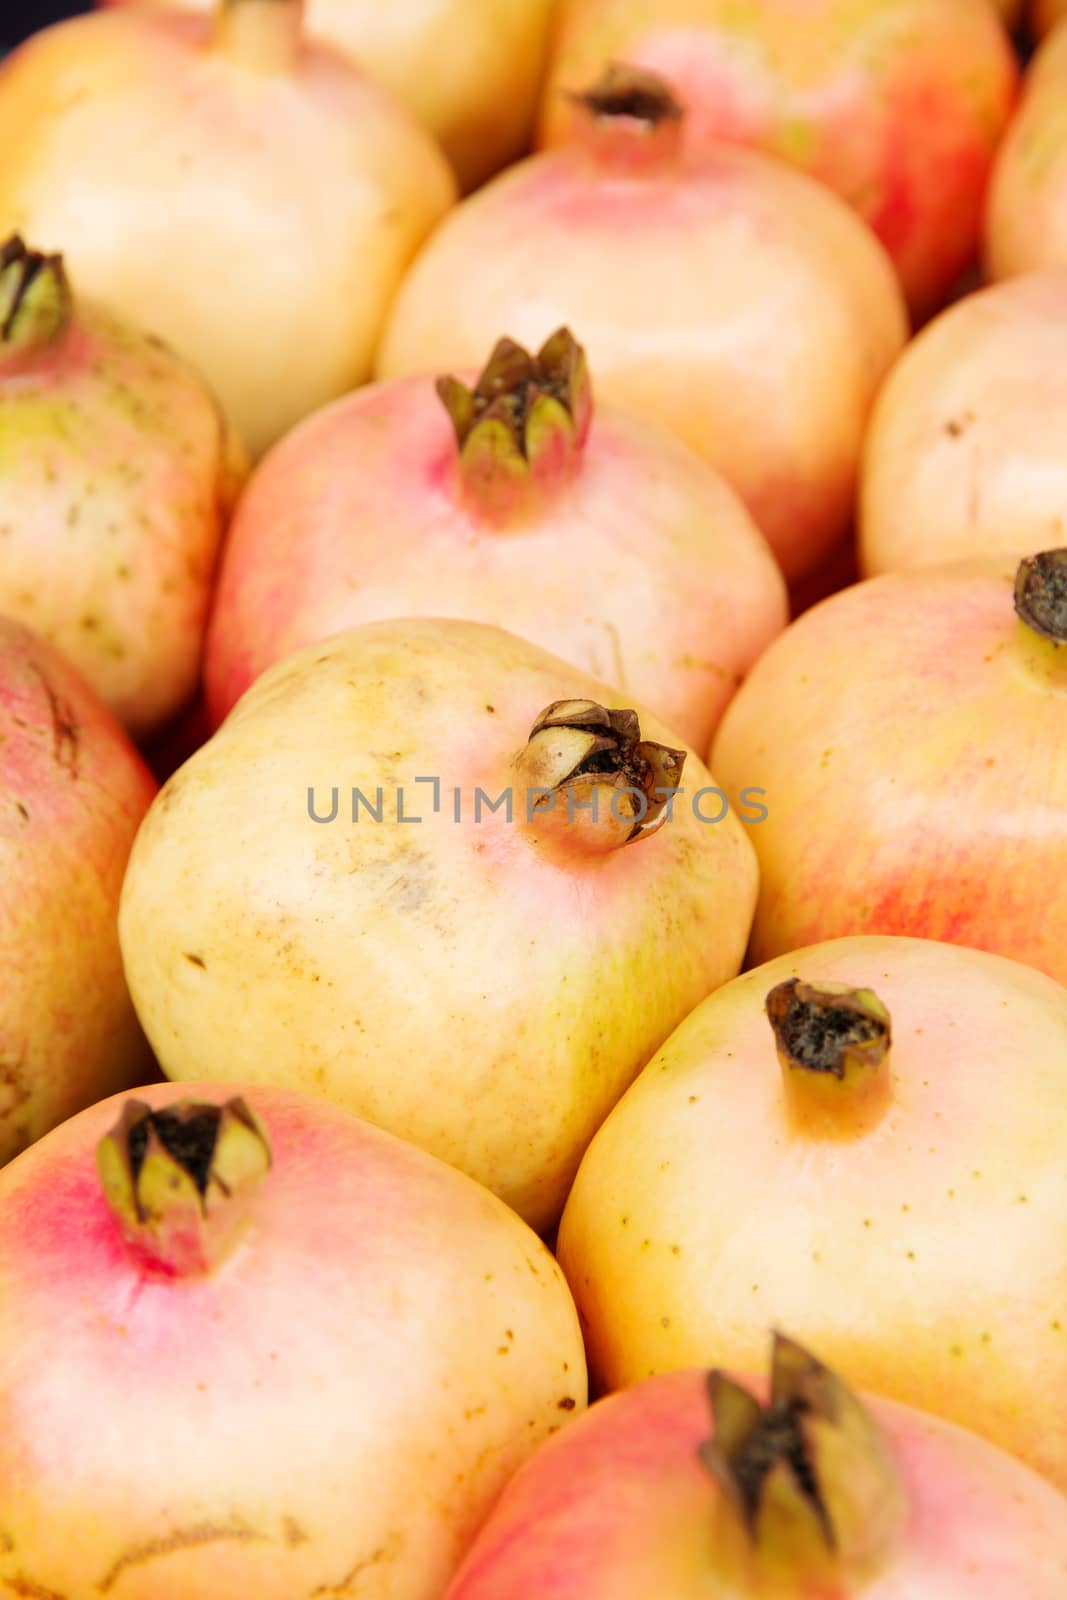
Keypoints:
(533, 801)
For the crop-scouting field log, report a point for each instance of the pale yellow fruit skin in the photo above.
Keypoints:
(453, 983)
(470, 70)
(965, 453)
(259, 223)
(926, 1259)
(1026, 212)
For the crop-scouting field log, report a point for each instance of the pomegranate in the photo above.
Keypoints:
(893, 1187)
(1026, 220)
(470, 72)
(485, 982)
(1046, 14)
(72, 792)
(739, 303)
(965, 450)
(897, 105)
(503, 505)
(936, 808)
(694, 1485)
(253, 1346)
(117, 472)
(296, 192)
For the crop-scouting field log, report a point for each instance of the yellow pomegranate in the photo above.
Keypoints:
(861, 1141)
(248, 196)
(484, 980)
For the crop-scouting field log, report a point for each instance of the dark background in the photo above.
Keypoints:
(20, 17)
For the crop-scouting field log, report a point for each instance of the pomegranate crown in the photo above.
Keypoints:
(179, 1180)
(833, 1045)
(596, 759)
(35, 296)
(809, 1477)
(1041, 594)
(625, 92)
(524, 396)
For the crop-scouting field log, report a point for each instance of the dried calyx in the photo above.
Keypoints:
(1041, 594)
(525, 420)
(180, 1180)
(35, 296)
(630, 117)
(629, 92)
(833, 1045)
(808, 1479)
(586, 763)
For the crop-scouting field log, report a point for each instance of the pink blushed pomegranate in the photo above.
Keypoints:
(599, 537)
(297, 191)
(896, 105)
(250, 1345)
(431, 869)
(697, 1486)
(909, 736)
(965, 451)
(717, 292)
(118, 472)
(1026, 219)
(861, 1141)
(73, 791)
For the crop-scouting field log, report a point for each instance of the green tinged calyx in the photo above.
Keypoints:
(35, 297)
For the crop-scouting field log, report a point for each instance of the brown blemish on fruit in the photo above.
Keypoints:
(195, 961)
(386, 1552)
(26, 1589)
(190, 1538)
(293, 1533)
(64, 727)
(13, 1081)
(568, 1403)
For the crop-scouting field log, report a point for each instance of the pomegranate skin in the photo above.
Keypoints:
(468, 70)
(275, 296)
(1026, 218)
(118, 474)
(1045, 14)
(452, 980)
(360, 515)
(72, 793)
(923, 1258)
(349, 1392)
(619, 1507)
(720, 294)
(939, 811)
(896, 105)
(965, 451)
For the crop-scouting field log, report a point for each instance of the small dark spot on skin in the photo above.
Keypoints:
(956, 427)
(293, 1533)
(568, 1403)
(504, 1350)
(491, 710)
(676, 1249)
(7, 1543)
(664, 1322)
(64, 728)
(195, 961)
(21, 809)
(911, 1255)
